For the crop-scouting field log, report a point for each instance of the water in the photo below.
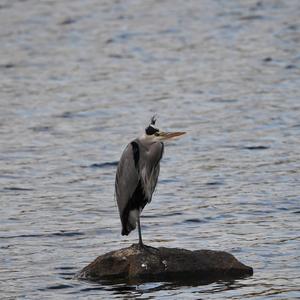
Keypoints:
(80, 79)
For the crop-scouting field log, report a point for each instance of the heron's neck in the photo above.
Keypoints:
(146, 140)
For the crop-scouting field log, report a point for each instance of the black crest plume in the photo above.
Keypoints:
(153, 119)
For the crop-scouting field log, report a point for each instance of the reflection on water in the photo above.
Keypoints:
(80, 79)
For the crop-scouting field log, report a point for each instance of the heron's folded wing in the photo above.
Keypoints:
(127, 178)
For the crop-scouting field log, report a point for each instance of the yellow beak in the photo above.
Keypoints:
(170, 135)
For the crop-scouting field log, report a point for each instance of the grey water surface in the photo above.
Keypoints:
(80, 79)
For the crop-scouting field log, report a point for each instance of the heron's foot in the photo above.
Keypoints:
(143, 247)
(150, 248)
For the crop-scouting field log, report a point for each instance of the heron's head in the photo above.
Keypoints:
(156, 135)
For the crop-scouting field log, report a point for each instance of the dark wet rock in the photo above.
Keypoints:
(159, 264)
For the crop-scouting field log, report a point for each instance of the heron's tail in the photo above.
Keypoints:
(125, 231)
(130, 224)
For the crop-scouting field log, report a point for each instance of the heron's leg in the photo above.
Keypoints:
(140, 232)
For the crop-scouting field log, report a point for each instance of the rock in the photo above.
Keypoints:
(160, 264)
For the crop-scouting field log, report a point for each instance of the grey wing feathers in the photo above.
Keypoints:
(127, 179)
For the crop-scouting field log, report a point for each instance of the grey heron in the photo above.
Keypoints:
(137, 175)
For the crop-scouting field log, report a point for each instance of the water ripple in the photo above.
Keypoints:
(74, 91)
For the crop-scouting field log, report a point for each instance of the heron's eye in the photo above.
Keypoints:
(156, 134)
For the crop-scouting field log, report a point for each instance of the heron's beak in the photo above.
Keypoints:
(170, 135)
